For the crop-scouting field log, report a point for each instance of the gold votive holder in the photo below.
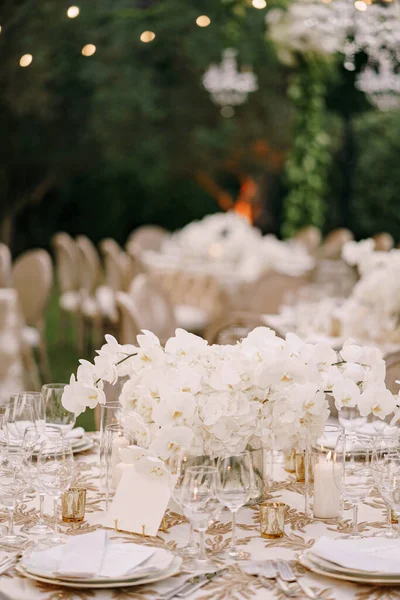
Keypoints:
(73, 504)
(289, 461)
(393, 516)
(301, 467)
(272, 519)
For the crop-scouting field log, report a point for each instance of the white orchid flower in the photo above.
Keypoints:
(378, 400)
(77, 396)
(346, 393)
(169, 439)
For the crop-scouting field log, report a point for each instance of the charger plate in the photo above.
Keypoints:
(172, 570)
(327, 569)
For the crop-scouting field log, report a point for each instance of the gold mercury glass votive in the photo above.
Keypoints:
(73, 504)
(272, 519)
(301, 467)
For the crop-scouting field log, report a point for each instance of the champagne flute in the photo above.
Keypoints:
(234, 484)
(198, 498)
(352, 472)
(55, 470)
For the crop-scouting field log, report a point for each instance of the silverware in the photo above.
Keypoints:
(266, 571)
(287, 575)
(198, 582)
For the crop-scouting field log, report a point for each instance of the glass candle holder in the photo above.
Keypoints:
(272, 519)
(73, 504)
(300, 467)
(289, 461)
(327, 502)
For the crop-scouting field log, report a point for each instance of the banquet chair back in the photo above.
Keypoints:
(334, 242)
(393, 372)
(114, 264)
(147, 237)
(310, 237)
(233, 327)
(32, 277)
(128, 319)
(153, 309)
(66, 256)
(267, 295)
(384, 242)
(89, 264)
(5, 266)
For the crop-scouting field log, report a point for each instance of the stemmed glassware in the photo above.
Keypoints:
(350, 419)
(352, 471)
(383, 447)
(36, 401)
(56, 414)
(198, 498)
(234, 484)
(14, 484)
(18, 416)
(389, 484)
(55, 470)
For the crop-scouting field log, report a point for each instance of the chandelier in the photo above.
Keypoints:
(228, 86)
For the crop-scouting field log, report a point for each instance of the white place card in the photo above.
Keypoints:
(139, 503)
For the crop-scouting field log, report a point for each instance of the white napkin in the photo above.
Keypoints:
(76, 433)
(373, 555)
(83, 555)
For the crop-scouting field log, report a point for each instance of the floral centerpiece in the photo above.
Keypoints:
(215, 399)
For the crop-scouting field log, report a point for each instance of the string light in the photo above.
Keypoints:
(203, 21)
(0, 28)
(259, 4)
(73, 12)
(147, 36)
(360, 5)
(25, 60)
(88, 50)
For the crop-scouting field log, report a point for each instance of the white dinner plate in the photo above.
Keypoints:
(172, 570)
(320, 567)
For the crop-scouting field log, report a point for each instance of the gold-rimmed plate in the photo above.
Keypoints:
(320, 567)
(172, 570)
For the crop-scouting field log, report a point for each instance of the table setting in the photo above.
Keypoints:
(194, 511)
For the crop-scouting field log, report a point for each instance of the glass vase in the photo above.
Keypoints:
(256, 452)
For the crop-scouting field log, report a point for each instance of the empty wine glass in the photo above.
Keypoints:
(389, 484)
(234, 484)
(55, 470)
(56, 414)
(52, 433)
(350, 419)
(19, 416)
(383, 446)
(198, 498)
(14, 483)
(352, 471)
(36, 401)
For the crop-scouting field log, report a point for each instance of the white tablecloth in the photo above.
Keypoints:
(300, 534)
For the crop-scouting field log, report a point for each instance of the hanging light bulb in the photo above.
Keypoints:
(203, 21)
(360, 5)
(73, 12)
(259, 4)
(147, 36)
(88, 50)
(25, 60)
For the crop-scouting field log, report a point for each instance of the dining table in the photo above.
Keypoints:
(300, 533)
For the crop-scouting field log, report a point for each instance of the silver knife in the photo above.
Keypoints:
(197, 582)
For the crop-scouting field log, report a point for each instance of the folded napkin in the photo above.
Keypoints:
(93, 555)
(76, 433)
(372, 555)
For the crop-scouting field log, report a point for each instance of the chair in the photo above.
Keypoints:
(89, 264)
(393, 372)
(146, 237)
(384, 242)
(32, 277)
(267, 295)
(5, 266)
(67, 271)
(117, 265)
(152, 308)
(310, 237)
(128, 325)
(233, 327)
(334, 242)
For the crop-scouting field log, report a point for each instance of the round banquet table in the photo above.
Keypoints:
(300, 534)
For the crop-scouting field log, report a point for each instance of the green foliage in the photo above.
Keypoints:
(308, 160)
(376, 197)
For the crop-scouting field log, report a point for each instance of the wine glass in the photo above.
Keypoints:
(198, 498)
(352, 471)
(234, 484)
(56, 414)
(350, 419)
(177, 466)
(383, 446)
(54, 434)
(19, 416)
(14, 484)
(3, 439)
(55, 470)
(36, 401)
(389, 484)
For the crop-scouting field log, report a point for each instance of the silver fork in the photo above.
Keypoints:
(287, 574)
(266, 571)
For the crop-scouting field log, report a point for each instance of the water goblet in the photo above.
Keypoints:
(384, 446)
(234, 484)
(56, 414)
(389, 484)
(14, 483)
(36, 401)
(352, 472)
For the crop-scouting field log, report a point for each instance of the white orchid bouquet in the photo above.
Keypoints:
(214, 399)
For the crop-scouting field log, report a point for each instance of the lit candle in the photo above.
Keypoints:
(326, 494)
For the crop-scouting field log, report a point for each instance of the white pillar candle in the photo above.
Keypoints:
(118, 443)
(326, 494)
(118, 471)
